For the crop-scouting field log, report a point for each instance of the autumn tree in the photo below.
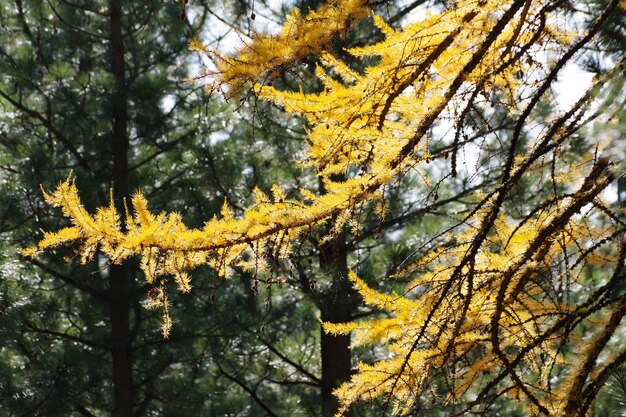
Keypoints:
(517, 300)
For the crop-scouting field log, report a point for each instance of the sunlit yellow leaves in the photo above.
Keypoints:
(168, 248)
(492, 289)
(50, 240)
(300, 36)
(446, 315)
(372, 381)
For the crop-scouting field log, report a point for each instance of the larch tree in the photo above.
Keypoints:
(515, 300)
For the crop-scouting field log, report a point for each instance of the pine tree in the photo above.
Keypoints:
(96, 87)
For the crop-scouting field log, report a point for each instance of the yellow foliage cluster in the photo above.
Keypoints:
(461, 325)
(482, 304)
(374, 121)
(300, 36)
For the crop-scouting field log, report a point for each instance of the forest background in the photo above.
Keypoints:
(97, 88)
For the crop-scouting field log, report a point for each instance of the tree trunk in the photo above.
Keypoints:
(120, 343)
(336, 307)
(119, 278)
(336, 363)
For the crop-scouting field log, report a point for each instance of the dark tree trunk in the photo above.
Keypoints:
(336, 307)
(120, 343)
(336, 364)
(119, 278)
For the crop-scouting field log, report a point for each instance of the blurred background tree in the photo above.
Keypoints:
(95, 87)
